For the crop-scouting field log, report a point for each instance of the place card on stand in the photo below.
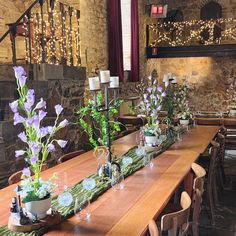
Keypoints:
(114, 82)
(94, 83)
(105, 76)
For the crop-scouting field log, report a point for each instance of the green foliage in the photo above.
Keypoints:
(96, 129)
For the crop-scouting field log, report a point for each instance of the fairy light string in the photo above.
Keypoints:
(191, 32)
(60, 26)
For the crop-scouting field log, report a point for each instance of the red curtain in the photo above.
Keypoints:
(134, 74)
(115, 39)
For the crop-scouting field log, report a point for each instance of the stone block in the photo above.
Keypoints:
(48, 72)
(2, 151)
(71, 72)
(8, 131)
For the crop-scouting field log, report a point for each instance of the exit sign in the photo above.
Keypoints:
(158, 11)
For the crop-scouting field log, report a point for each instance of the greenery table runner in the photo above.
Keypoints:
(101, 185)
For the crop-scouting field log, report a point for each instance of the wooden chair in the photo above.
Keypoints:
(69, 156)
(198, 189)
(176, 222)
(211, 179)
(16, 177)
(131, 122)
(153, 229)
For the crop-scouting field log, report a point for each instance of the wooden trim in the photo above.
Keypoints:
(222, 50)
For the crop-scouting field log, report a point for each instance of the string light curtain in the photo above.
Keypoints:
(115, 39)
(134, 74)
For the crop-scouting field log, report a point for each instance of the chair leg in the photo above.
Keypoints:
(214, 188)
(195, 229)
(211, 201)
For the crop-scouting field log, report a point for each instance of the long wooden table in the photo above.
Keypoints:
(146, 192)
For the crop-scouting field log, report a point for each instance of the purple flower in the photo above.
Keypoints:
(159, 89)
(30, 97)
(18, 119)
(163, 94)
(42, 114)
(152, 96)
(22, 81)
(19, 72)
(64, 123)
(28, 107)
(33, 121)
(34, 160)
(49, 129)
(22, 137)
(159, 108)
(43, 132)
(149, 89)
(58, 109)
(61, 143)
(26, 172)
(154, 113)
(51, 148)
(41, 104)
(35, 148)
(19, 153)
(14, 106)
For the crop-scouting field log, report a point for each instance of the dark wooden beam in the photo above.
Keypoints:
(222, 50)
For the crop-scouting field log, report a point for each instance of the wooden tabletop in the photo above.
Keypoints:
(146, 192)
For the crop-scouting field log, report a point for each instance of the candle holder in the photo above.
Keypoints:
(109, 84)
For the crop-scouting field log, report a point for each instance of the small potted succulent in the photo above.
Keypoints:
(39, 141)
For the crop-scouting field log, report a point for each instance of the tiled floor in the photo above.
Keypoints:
(226, 211)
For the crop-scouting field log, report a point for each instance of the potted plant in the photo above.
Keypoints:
(94, 123)
(39, 141)
(232, 105)
(182, 105)
(150, 105)
(151, 134)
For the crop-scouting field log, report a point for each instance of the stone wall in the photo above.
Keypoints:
(94, 36)
(211, 75)
(67, 91)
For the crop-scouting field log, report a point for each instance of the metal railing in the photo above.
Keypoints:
(195, 32)
(51, 34)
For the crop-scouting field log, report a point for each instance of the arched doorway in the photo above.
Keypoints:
(211, 11)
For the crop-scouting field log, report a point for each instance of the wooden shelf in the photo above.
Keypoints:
(223, 50)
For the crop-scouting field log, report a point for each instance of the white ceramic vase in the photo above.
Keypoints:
(184, 122)
(39, 207)
(151, 140)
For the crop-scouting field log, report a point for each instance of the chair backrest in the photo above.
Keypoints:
(69, 156)
(198, 189)
(200, 173)
(175, 221)
(16, 177)
(153, 230)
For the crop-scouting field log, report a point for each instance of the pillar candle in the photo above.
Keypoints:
(165, 78)
(114, 82)
(94, 83)
(174, 81)
(105, 76)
